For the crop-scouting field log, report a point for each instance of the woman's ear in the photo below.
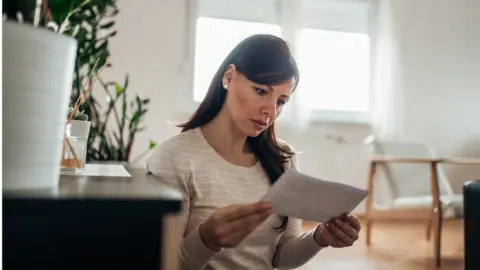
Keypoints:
(228, 76)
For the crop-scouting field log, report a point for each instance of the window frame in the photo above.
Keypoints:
(289, 31)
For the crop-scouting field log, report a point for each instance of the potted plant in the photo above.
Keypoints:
(116, 127)
(38, 66)
(116, 123)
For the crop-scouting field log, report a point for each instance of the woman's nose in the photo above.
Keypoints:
(270, 109)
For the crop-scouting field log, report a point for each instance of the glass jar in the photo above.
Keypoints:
(75, 146)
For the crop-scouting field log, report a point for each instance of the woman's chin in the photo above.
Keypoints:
(253, 132)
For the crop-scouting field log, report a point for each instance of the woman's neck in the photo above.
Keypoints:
(226, 138)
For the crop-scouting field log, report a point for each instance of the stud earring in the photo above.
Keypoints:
(225, 86)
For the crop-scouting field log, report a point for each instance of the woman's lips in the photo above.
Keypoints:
(259, 124)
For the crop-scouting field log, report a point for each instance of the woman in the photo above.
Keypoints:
(226, 158)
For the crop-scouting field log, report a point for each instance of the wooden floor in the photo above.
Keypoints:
(398, 245)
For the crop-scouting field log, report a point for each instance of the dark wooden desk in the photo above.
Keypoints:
(92, 223)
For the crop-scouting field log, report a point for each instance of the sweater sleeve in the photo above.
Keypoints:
(167, 164)
(295, 247)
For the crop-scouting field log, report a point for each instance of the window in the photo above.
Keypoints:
(330, 39)
(334, 68)
(214, 40)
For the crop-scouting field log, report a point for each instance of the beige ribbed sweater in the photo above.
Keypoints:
(188, 163)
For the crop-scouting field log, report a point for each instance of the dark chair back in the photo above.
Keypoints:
(471, 204)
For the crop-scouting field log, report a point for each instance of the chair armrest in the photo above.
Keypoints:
(461, 161)
(395, 159)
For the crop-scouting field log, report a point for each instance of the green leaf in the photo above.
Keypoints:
(78, 18)
(152, 145)
(135, 119)
(118, 89)
(107, 25)
(112, 34)
(82, 34)
(103, 45)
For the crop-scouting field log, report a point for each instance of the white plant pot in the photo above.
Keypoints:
(38, 70)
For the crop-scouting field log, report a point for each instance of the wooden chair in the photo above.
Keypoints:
(415, 181)
(404, 169)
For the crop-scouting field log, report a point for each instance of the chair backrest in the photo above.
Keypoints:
(408, 179)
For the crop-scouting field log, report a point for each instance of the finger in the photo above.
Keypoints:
(354, 222)
(329, 236)
(347, 229)
(235, 212)
(252, 221)
(246, 224)
(342, 236)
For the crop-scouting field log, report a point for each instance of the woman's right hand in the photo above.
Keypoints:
(228, 226)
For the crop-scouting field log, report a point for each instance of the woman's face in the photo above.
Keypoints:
(254, 107)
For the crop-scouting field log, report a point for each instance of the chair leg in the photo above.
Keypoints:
(438, 235)
(438, 214)
(429, 226)
(368, 231)
(369, 204)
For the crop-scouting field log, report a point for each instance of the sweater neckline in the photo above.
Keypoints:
(214, 152)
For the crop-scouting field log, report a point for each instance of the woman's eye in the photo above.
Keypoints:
(281, 102)
(260, 91)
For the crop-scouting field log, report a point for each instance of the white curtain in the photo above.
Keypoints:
(294, 115)
(388, 93)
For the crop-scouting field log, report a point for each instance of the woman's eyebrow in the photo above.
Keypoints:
(270, 88)
(263, 86)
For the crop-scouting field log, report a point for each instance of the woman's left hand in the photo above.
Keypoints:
(339, 232)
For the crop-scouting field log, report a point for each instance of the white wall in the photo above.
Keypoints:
(149, 47)
(441, 50)
(440, 46)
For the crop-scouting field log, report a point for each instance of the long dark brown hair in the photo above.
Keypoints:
(263, 59)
